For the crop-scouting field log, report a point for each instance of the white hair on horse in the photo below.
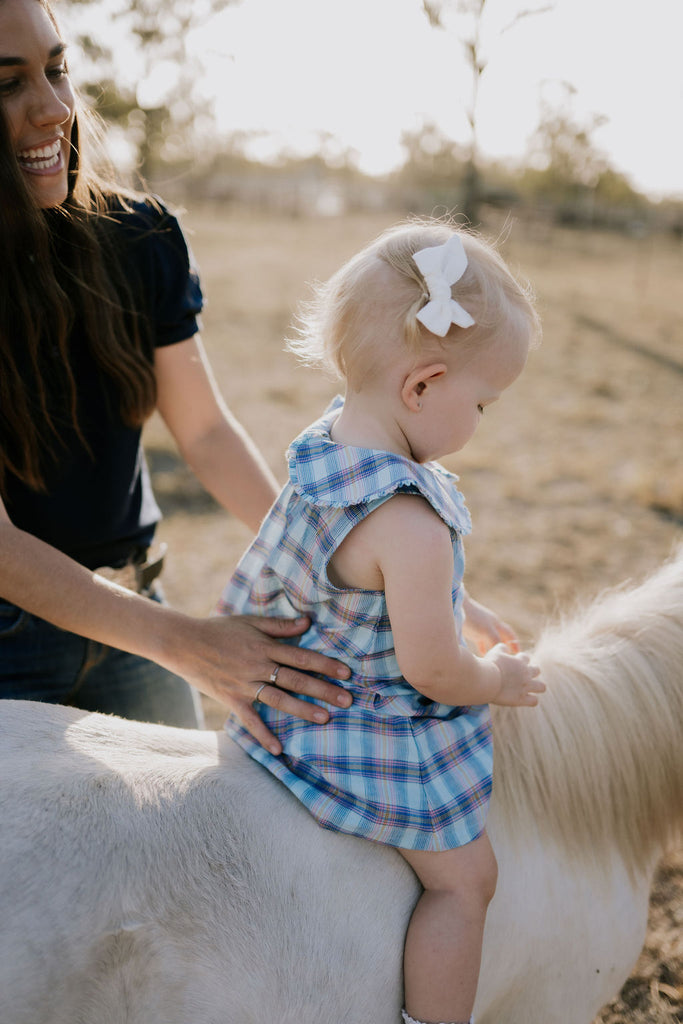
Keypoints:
(600, 762)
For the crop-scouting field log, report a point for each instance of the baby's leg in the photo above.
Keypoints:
(444, 940)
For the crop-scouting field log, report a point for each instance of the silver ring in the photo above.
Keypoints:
(257, 698)
(272, 679)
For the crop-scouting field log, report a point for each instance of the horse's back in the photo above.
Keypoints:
(135, 855)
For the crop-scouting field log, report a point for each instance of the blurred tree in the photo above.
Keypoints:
(566, 168)
(154, 94)
(615, 189)
(562, 147)
(470, 14)
(432, 162)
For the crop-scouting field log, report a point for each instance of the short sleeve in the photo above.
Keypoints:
(162, 270)
(178, 297)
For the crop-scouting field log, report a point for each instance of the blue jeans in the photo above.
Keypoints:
(40, 662)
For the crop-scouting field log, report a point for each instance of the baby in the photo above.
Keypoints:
(427, 327)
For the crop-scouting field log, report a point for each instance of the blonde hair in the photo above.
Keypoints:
(369, 307)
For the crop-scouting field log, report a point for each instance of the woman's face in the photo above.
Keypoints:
(36, 98)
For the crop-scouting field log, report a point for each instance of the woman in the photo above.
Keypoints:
(98, 307)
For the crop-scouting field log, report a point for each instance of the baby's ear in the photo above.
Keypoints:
(418, 382)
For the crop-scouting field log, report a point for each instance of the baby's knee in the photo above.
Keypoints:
(479, 882)
(488, 876)
(469, 873)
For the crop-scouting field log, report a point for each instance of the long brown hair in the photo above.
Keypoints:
(56, 266)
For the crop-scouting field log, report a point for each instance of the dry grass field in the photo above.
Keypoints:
(574, 480)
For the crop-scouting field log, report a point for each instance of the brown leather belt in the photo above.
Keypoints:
(137, 575)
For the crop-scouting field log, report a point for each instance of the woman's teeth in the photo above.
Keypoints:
(41, 158)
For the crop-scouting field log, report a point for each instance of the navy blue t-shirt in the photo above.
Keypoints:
(99, 506)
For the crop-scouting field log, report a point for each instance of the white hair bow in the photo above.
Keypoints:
(441, 266)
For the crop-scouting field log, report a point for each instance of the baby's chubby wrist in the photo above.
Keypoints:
(493, 678)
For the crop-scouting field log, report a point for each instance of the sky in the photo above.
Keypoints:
(364, 71)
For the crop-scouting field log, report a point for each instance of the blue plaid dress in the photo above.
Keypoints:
(396, 767)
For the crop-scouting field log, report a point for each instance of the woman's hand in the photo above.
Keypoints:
(227, 657)
(483, 629)
(230, 657)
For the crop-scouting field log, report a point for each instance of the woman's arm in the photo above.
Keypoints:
(224, 657)
(212, 442)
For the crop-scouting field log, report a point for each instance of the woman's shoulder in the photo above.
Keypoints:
(143, 232)
(139, 215)
(148, 241)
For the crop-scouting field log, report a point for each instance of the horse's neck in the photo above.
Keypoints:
(599, 764)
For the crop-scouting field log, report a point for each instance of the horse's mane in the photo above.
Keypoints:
(600, 762)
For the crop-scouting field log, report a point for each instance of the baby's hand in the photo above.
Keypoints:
(519, 678)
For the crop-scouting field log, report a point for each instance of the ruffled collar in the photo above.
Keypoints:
(338, 475)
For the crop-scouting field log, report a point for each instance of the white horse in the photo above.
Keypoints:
(150, 875)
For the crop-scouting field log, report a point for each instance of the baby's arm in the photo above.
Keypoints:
(412, 556)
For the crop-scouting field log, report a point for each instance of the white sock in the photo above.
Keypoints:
(407, 1019)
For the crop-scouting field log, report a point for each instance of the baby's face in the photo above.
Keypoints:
(453, 404)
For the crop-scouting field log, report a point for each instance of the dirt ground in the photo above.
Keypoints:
(574, 479)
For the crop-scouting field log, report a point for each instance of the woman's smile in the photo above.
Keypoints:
(36, 97)
(42, 159)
